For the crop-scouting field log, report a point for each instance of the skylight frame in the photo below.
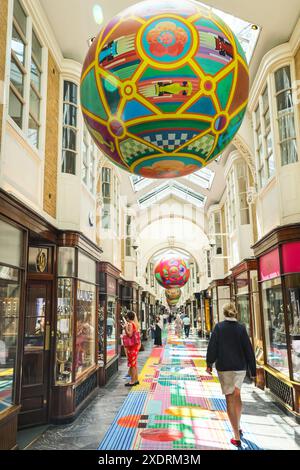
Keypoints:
(172, 188)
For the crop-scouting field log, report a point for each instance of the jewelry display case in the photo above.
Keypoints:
(76, 333)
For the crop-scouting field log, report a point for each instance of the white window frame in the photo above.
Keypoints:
(106, 199)
(76, 128)
(291, 66)
(231, 201)
(27, 86)
(89, 161)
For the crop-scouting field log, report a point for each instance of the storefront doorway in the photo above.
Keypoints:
(36, 356)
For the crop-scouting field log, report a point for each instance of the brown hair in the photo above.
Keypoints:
(230, 311)
(133, 317)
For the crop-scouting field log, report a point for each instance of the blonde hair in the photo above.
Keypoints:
(230, 311)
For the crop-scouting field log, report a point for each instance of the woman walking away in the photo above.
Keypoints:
(230, 348)
(132, 344)
(178, 326)
(158, 331)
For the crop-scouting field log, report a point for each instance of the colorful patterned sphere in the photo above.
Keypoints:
(172, 303)
(173, 294)
(172, 272)
(164, 88)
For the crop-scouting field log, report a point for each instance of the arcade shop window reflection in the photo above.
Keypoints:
(276, 344)
(86, 335)
(9, 323)
(111, 329)
(293, 299)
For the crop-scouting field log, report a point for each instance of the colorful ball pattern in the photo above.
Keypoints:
(173, 302)
(172, 272)
(164, 88)
(173, 294)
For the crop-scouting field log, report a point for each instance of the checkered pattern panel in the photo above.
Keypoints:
(202, 146)
(169, 140)
(131, 149)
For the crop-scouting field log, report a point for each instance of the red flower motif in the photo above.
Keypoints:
(167, 39)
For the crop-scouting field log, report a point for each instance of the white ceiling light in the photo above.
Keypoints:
(98, 14)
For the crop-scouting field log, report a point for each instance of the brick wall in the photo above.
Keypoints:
(51, 149)
(3, 34)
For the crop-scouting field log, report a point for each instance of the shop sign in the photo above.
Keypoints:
(269, 266)
(291, 257)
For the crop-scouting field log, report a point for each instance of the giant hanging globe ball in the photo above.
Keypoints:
(173, 302)
(164, 88)
(173, 293)
(172, 272)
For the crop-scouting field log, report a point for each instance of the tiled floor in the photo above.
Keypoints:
(265, 425)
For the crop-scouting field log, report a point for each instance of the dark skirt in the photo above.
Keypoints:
(157, 337)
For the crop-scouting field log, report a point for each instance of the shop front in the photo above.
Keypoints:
(109, 320)
(48, 304)
(221, 294)
(205, 311)
(75, 332)
(278, 256)
(145, 320)
(246, 294)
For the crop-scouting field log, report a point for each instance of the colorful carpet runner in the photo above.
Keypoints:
(176, 406)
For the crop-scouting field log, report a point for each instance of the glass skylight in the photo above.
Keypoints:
(169, 188)
(139, 182)
(203, 178)
(247, 35)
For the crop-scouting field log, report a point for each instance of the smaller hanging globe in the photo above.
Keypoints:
(164, 88)
(172, 272)
(173, 294)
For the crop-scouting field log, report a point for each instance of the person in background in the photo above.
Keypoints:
(131, 327)
(187, 325)
(199, 326)
(158, 331)
(178, 326)
(231, 350)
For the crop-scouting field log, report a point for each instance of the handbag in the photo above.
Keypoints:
(131, 341)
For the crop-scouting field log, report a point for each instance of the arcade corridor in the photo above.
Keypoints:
(177, 406)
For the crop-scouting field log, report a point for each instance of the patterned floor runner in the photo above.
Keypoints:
(176, 406)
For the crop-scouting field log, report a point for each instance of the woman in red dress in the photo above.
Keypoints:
(131, 327)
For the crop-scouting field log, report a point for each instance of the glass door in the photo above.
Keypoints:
(36, 357)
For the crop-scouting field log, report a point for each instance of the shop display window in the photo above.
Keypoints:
(293, 307)
(243, 300)
(11, 259)
(64, 332)
(215, 305)
(9, 324)
(76, 324)
(275, 332)
(85, 328)
(111, 329)
(101, 329)
(223, 299)
(256, 319)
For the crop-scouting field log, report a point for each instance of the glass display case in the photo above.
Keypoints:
(85, 327)
(64, 331)
(76, 327)
(292, 283)
(11, 279)
(9, 325)
(256, 317)
(111, 329)
(274, 321)
(243, 300)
